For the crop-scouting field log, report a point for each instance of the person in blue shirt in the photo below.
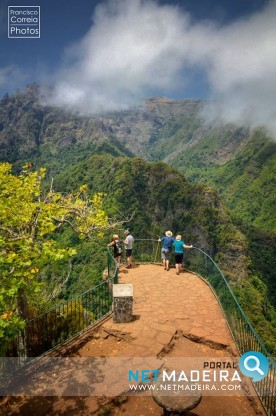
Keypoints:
(167, 241)
(179, 246)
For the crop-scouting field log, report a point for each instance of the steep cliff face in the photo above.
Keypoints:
(238, 163)
(244, 181)
(27, 128)
(20, 123)
(162, 199)
(45, 135)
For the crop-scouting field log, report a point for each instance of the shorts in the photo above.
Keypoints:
(165, 253)
(128, 252)
(178, 257)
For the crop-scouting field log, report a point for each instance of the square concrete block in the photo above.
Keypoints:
(122, 303)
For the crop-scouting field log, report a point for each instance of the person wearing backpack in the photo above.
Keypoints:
(117, 245)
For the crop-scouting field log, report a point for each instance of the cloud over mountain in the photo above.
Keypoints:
(138, 48)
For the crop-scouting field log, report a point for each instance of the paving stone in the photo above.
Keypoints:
(164, 338)
(171, 329)
(164, 305)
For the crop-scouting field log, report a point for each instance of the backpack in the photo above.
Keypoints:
(118, 245)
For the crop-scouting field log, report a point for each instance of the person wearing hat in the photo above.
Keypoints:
(179, 246)
(167, 241)
(128, 242)
(116, 243)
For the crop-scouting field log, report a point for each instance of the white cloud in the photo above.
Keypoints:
(242, 71)
(131, 47)
(135, 47)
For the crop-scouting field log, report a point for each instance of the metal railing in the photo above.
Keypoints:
(64, 322)
(60, 324)
(244, 335)
(147, 251)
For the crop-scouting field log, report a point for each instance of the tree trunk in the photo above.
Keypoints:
(22, 309)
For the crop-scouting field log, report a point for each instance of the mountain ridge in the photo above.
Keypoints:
(121, 153)
(162, 129)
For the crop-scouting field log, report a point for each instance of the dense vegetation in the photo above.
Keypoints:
(244, 182)
(29, 220)
(238, 163)
(161, 198)
(100, 152)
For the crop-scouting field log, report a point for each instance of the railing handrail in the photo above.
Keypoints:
(114, 279)
(95, 306)
(76, 296)
(232, 295)
(115, 274)
(235, 300)
(243, 333)
(60, 305)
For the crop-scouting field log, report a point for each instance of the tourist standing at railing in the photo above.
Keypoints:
(129, 240)
(179, 246)
(117, 245)
(167, 241)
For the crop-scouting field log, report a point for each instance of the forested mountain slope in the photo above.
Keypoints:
(238, 163)
(101, 150)
(161, 198)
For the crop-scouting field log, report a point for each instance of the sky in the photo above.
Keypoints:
(108, 55)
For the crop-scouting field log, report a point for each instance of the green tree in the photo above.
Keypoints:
(29, 218)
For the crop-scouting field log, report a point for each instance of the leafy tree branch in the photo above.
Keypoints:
(29, 218)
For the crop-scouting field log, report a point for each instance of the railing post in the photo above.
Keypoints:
(108, 263)
(116, 276)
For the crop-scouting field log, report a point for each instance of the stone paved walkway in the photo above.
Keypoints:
(165, 302)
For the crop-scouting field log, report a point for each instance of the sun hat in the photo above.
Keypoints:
(178, 237)
(168, 233)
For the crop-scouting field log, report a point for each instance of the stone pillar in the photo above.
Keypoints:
(122, 303)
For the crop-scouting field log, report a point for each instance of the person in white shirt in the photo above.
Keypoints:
(128, 242)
